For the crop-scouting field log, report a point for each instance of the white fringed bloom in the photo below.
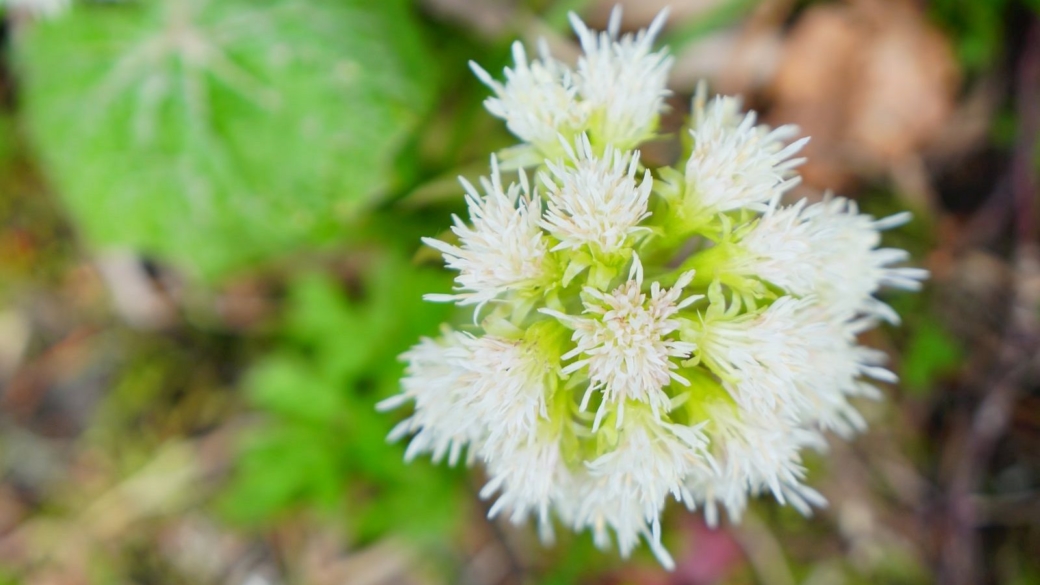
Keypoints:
(538, 100)
(760, 356)
(842, 369)
(830, 250)
(627, 488)
(504, 250)
(795, 359)
(736, 164)
(616, 95)
(460, 383)
(434, 380)
(507, 385)
(754, 453)
(596, 202)
(531, 477)
(621, 80)
(626, 345)
(856, 267)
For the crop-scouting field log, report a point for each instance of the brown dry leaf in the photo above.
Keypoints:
(872, 82)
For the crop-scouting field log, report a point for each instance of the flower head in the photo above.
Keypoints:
(759, 355)
(621, 80)
(829, 250)
(843, 370)
(754, 453)
(504, 250)
(538, 101)
(435, 381)
(627, 343)
(853, 267)
(596, 202)
(460, 383)
(616, 95)
(626, 488)
(736, 164)
(531, 478)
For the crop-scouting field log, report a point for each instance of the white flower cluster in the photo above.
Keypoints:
(645, 334)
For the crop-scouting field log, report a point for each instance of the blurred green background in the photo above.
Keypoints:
(210, 214)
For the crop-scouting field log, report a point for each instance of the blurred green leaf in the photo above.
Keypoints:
(279, 468)
(931, 352)
(285, 385)
(321, 319)
(726, 13)
(318, 389)
(976, 29)
(8, 578)
(556, 14)
(219, 134)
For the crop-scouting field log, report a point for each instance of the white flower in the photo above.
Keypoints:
(627, 488)
(506, 388)
(626, 345)
(796, 359)
(537, 101)
(596, 202)
(830, 250)
(532, 477)
(504, 250)
(852, 266)
(434, 379)
(736, 164)
(621, 80)
(616, 94)
(841, 370)
(754, 453)
(761, 356)
(781, 249)
(484, 392)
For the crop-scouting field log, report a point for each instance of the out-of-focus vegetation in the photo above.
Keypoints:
(210, 215)
(261, 129)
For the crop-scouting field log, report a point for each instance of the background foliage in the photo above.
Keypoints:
(258, 129)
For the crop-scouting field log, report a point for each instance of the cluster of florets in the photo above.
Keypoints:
(644, 335)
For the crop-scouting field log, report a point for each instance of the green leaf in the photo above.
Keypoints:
(724, 14)
(221, 134)
(931, 352)
(976, 29)
(322, 319)
(429, 512)
(278, 469)
(337, 356)
(289, 387)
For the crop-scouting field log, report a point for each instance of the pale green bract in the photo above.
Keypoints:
(645, 333)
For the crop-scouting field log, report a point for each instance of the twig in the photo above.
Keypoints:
(1020, 343)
